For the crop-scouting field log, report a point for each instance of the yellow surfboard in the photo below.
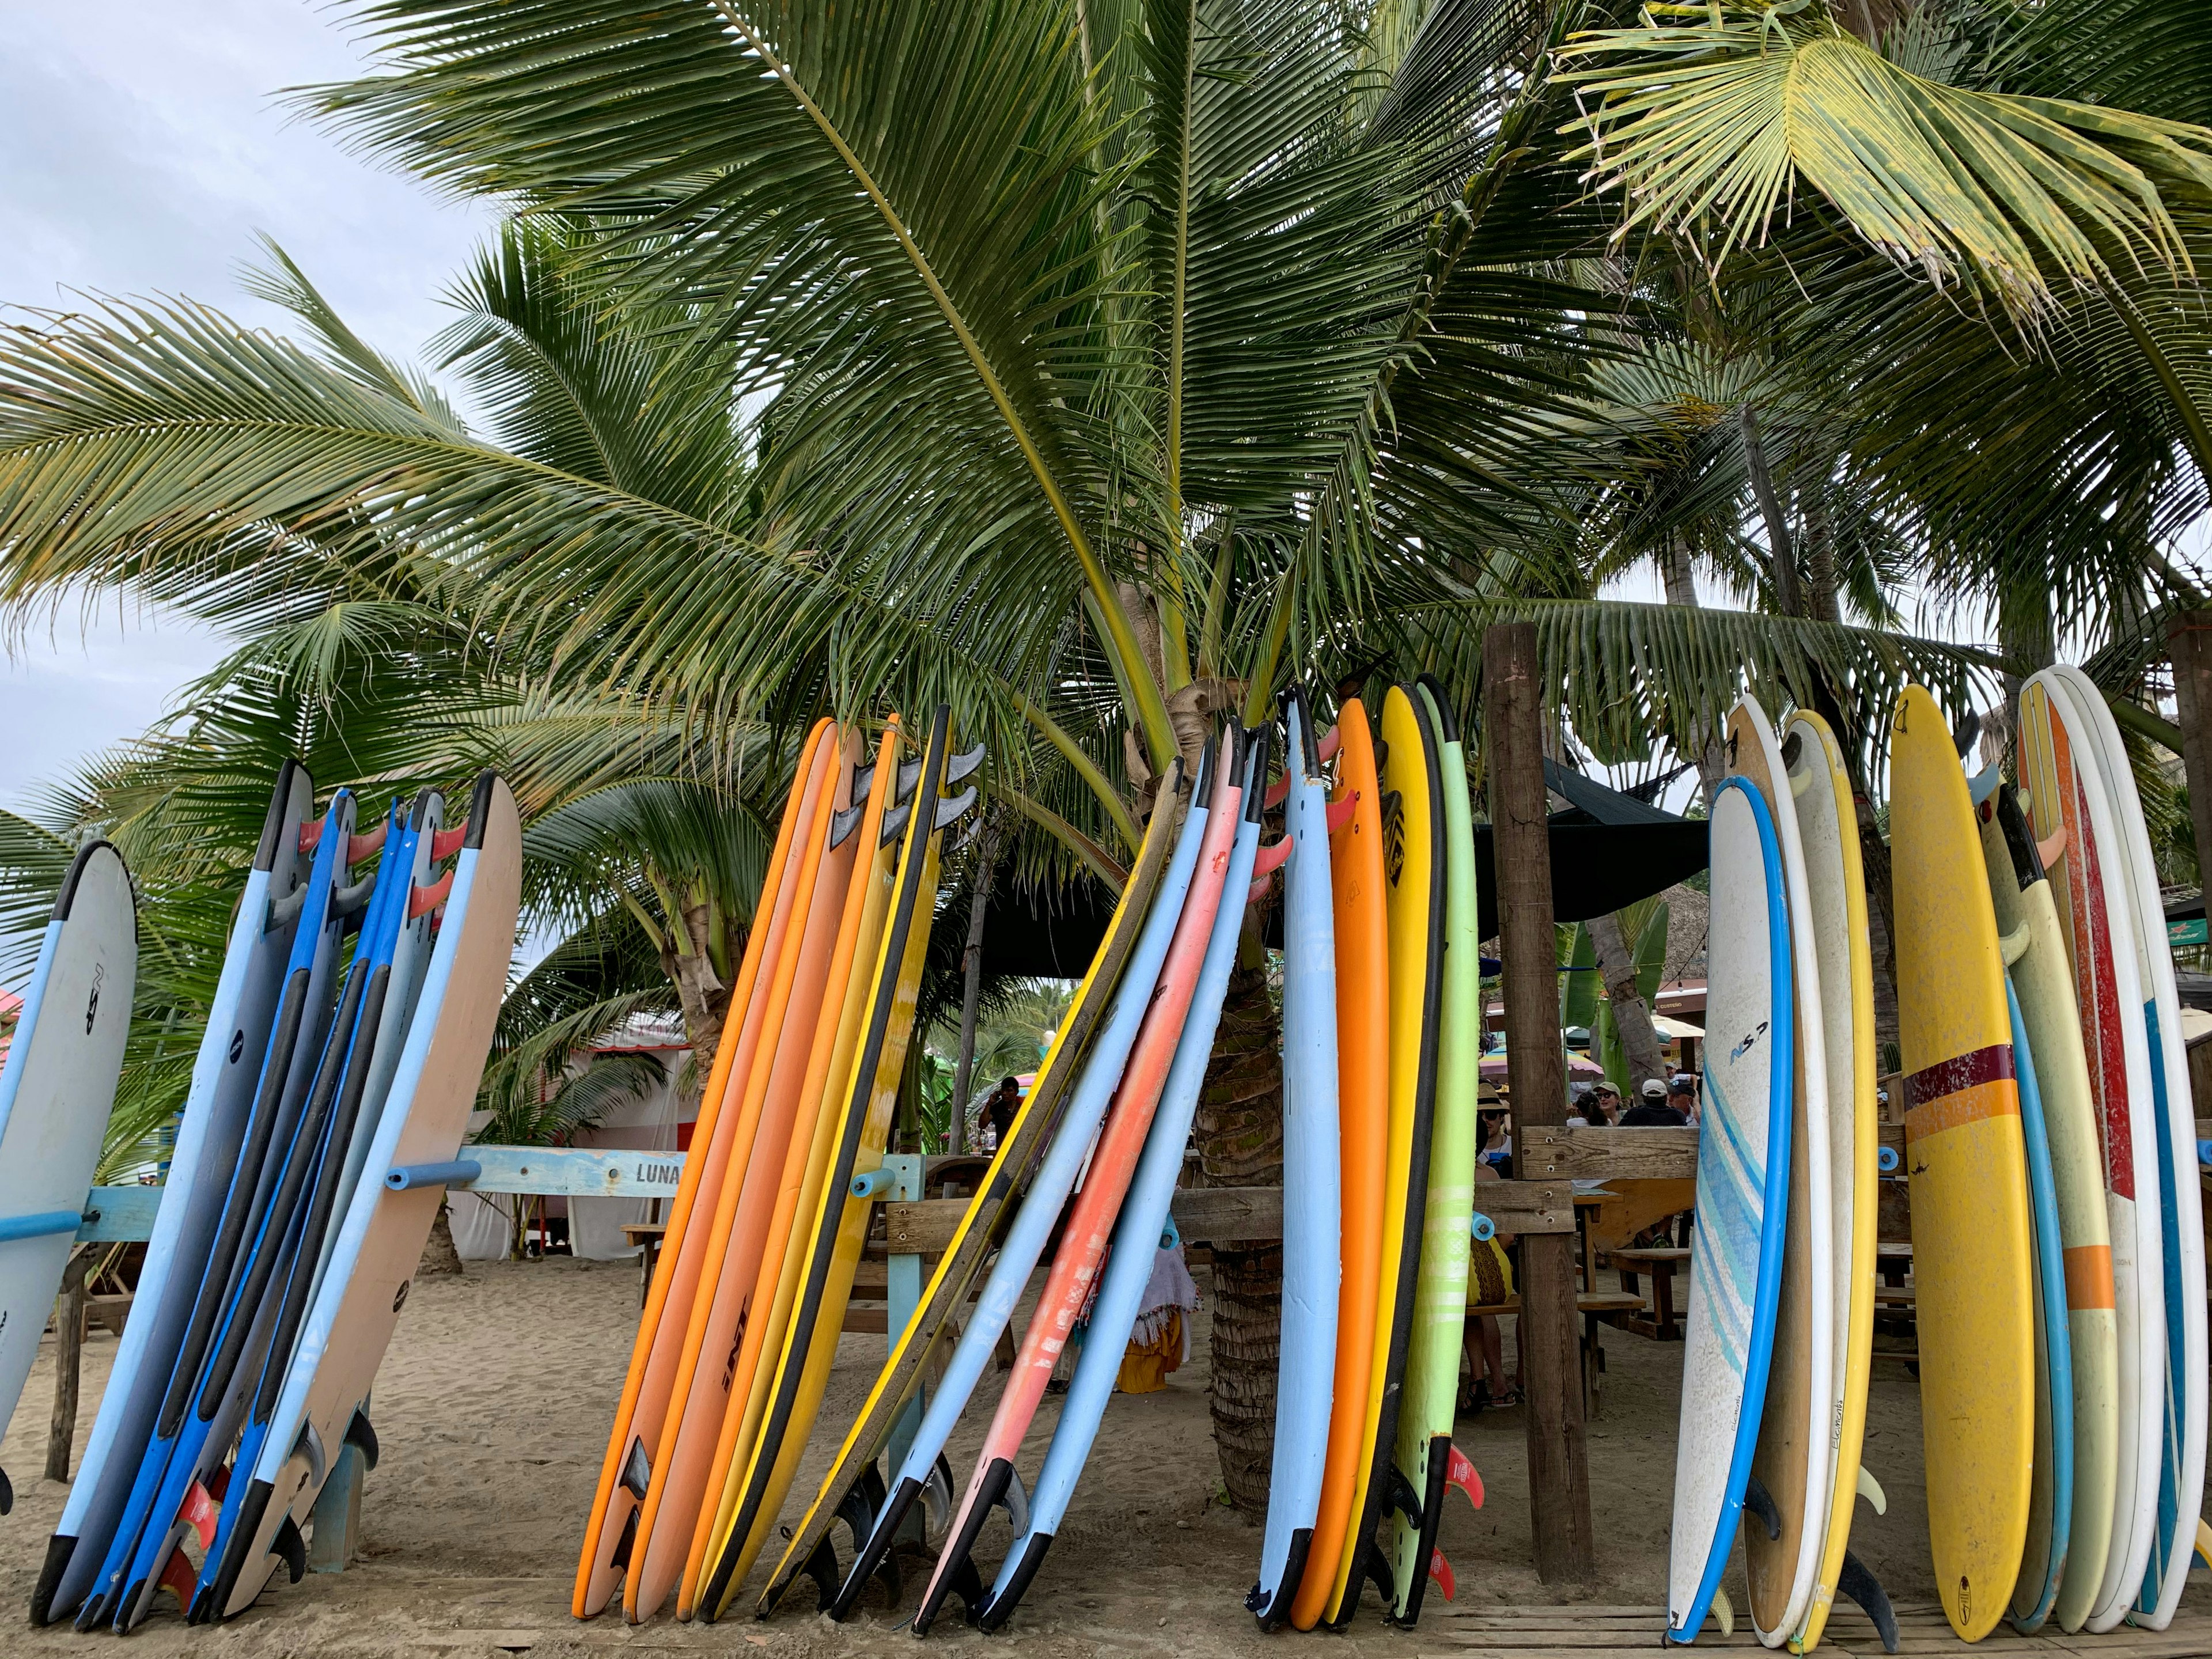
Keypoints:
(1968, 1167)
(840, 1223)
(1828, 824)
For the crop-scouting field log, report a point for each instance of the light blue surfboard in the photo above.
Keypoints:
(2051, 1518)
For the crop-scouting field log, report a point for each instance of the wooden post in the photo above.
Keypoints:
(2190, 641)
(68, 1362)
(1551, 1356)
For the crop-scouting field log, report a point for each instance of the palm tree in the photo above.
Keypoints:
(1100, 368)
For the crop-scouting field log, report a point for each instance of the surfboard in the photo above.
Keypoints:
(1054, 1178)
(806, 1161)
(288, 1070)
(57, 1088)
(1363, 1081)
(841, 1225)
(847, 1490)
(2071, 812)
(1827, 829)
(625, 1472)
(247, 1369)
(2051, 1489)
(1795, 1461)
(432, 1089)
(368, 987)
(1312, 1206)
(210, 1131)
(1135, 1233)
(2043, 982)
(1967, 1164)
(1447, 1001)
(1743, 1198)
(2181, 1459)
(771, 1107)
(1413, 873)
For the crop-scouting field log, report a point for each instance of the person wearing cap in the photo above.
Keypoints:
(1653, 1111)
(1604, 1108)
(1683, 1095)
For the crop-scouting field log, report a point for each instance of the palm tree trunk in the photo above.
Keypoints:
(1239, 1130)
(1681, 582)
(971, 994)
(1616, 962)
(439, 1254)
(1778, 544)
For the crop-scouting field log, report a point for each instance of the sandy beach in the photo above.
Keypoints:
(493, 1405)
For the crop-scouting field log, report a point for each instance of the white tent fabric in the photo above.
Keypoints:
(483, 1224)
(645, 1122)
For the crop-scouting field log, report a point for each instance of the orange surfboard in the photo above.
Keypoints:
(644, 1404)
(770, 1106)
(1362, 1051)
(806, 1161)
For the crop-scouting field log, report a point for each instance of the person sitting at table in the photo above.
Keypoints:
(1652, 1111)
(1489, 1283)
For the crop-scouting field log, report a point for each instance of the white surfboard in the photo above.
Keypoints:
(1795, 1459)
(1743, 1194)
(57, 1089)
(2181, 1459)
(373, 1265)
(2092, 859)
(209, 1133)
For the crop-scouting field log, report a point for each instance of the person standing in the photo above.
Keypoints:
(999, 1110)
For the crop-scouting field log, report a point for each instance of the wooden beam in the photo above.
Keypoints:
(1549, 1152)
(1550, 1352)
(1245, 1215)
(2190, 640)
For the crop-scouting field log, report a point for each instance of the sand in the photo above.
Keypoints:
(493, 1405)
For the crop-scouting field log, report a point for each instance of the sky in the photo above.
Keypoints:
(143, 148)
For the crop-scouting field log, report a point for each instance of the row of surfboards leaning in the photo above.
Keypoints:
(2050, 1155)
(344, 1044)
(765, 1234)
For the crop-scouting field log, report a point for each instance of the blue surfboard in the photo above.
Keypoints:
(2054, 1357)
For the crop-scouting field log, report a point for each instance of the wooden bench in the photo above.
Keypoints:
(1594, 1306)
(1660, 1261)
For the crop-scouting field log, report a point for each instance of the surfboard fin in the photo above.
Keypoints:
(637, 1470)
(908, 775)
(1339, 812)
(821, 1568)
(2203, 1543)
(2013, 945)
(362, 1437)
(178, 1578)
(1870, 1489)
(872, 1548)
(956, 1574)
(291, 1548)
(1272, 1609)
(895, 823)
(1440, 1570)
(619, 1561)
(858, 1510)
(842, 825)
(1983, 784)
(1461, 1472)
(1723, 1612)
(949, 807)
(1856, 1581)
(1404, 1499)
(1272, 858)
(962, 766)
(2050, 851)
(286, 910)
(6, 1493)
(937, 1499)
(1760, 1502)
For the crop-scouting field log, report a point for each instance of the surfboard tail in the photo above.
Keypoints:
(956, 1573)
(59, 1549)
(1272, 1608)
(1000, 1607)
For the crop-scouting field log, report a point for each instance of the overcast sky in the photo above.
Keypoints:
(142, 147)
